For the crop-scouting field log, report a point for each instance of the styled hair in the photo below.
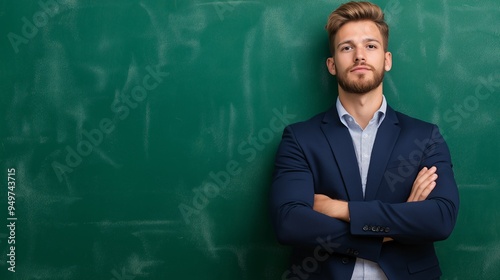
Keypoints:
(356, 11)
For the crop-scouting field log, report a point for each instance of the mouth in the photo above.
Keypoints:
(361, 68)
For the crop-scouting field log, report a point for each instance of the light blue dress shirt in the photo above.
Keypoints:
(363, 140)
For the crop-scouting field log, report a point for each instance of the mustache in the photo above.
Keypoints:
(364, 64)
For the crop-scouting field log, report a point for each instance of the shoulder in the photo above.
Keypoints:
(418, 129)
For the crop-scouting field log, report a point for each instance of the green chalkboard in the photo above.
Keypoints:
(137, 138)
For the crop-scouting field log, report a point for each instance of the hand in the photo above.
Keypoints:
(424, 184)
(331, 207)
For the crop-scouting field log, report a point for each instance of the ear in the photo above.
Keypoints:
(388, 61)
(330, 64)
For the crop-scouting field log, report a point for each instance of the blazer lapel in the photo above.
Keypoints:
(340, 141)
(387, 136)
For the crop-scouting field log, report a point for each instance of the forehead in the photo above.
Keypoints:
(358, 31)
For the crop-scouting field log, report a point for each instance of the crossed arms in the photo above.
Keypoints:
(422, 187)
(303, 217)
(338, 209)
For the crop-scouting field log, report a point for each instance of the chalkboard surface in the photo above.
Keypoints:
(137, 138)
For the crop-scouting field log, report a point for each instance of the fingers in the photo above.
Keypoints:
(423, 184)
(424, 191)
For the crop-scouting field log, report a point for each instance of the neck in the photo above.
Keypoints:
(363, 106)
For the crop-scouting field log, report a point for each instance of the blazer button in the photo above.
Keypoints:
(345, 260)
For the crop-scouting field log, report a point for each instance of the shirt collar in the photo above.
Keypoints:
(378, 117)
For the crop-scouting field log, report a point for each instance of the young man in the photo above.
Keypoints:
(362, 191)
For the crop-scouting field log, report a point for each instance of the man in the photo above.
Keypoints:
(362, 191)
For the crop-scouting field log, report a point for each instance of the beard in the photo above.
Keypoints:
(360, 84)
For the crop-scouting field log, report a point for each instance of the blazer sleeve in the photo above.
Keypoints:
(291, 205)
(415, 222)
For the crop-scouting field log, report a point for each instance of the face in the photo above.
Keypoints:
(359, 61)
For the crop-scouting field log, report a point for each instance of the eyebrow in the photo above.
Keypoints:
(364, 41)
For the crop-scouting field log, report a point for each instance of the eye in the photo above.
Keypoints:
(346, 48)
(372, 46)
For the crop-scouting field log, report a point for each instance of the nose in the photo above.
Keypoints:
(360, 55)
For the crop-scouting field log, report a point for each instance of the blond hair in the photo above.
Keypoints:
(356, 11)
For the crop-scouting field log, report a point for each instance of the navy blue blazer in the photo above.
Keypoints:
(317, 157)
